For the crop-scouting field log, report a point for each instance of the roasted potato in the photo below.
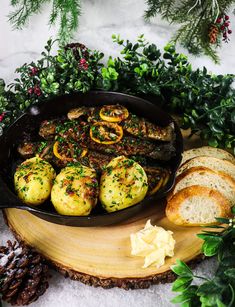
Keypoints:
(75, 190)
(33, 180)
(123, 184)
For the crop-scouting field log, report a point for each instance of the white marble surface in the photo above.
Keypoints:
(100, 19)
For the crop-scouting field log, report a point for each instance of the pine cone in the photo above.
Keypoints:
(213, 34)
(79, 50)
(24, 274)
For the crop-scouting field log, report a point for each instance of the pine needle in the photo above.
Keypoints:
(66, 12)
(195, 17)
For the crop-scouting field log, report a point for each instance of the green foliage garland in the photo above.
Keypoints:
(195, 17)
(219, 290)
(205, 102)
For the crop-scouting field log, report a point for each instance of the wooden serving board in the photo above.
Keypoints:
(100, 256)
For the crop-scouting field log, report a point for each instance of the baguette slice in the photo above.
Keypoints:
(206, 177)
(197, 205)
(210, 162)
(207, 151)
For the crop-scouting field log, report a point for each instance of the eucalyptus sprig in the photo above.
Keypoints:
(219, 290)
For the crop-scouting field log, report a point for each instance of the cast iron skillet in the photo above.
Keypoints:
(28, 124)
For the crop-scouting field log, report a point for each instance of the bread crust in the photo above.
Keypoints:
(199, 169)
(174, 204)
(208, 151)
(203, 159)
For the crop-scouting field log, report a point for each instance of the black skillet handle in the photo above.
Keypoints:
(8, 199)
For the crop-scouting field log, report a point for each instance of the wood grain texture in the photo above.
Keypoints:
(102, 252)
(100, 256)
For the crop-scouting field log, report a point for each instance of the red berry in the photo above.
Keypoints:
(230, 31)
(226, 24)
(37, 90)
(30, 91)
(33, 71)
(82, 61)
(2, 116)
(226, 17)
(85, 66)
(225, 35)
(218, 20)
(222, 27)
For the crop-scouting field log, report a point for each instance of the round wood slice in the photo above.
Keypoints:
(101, 256)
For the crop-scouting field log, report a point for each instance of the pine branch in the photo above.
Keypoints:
(196, 18)
(24, 9)
(70, 11)
(159, 7)
(67, 12)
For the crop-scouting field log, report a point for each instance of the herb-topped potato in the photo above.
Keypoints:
(123, 184)
(33, 180)
(75, 190)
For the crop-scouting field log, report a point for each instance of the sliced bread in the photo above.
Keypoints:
(197, 205)
(206, 177)
(210, 162)
(207, 151)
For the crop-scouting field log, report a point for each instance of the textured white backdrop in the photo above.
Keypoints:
(100, 19)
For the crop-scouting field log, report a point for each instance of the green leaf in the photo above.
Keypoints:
(230, 273)
(211, 246)
(208, 288)
(233, 117)
(222, 220)
(181, 269)
(220, 303)
(181, 298)
(181, 284)
(210, 300)
(228, 261)
(111, 62)
(213, 142)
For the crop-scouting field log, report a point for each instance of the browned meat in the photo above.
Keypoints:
(138, 127)
(78, 112)
(93, 159)
(26, 150)
(42, 149)
(130, 146)
(47, 129)
(70, 130)
(98, 161)
(142, 128)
